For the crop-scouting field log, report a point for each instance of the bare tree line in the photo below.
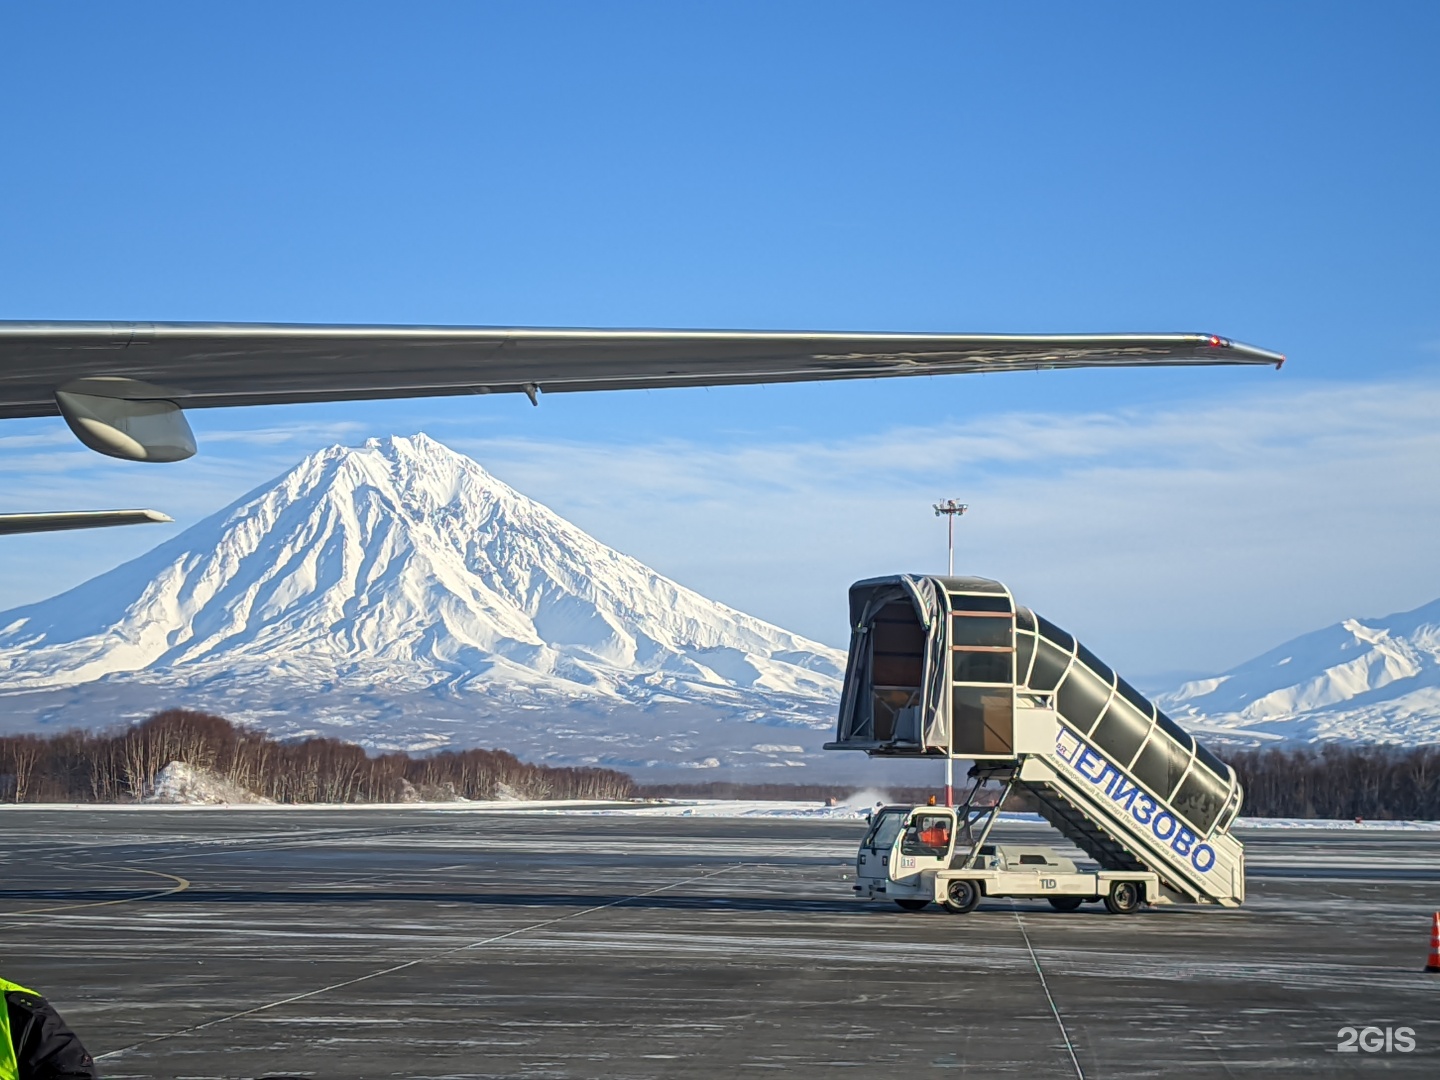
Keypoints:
(1379, 782)
(1334, 781)
(1376, 782)
(121, 765)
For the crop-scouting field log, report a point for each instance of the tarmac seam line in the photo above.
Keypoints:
(1069, 1046)
(418, 960)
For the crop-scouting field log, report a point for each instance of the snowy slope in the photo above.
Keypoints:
(401, 595)
(1372, 680)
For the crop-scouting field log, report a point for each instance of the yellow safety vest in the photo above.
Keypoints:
(9, 1067)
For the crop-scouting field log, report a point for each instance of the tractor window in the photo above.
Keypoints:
(1034, 860)
(884, 828)
(928, 834)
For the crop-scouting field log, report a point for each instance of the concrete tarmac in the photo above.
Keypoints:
(420, 943)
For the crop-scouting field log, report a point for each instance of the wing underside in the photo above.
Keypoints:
(123, 387)
(198, 365)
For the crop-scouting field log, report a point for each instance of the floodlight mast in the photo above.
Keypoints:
(950, 509)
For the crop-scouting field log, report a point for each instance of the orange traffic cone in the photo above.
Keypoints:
(1433, 964)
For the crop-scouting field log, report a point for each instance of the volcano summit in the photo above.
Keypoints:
(398, 595)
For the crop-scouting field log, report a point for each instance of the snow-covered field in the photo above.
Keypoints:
(1333, 823)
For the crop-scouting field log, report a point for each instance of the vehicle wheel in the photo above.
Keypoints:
(962, 896)
(912, 904)
(1066, 903)
(1123, 899)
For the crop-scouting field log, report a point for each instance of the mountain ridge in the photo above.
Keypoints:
(398, 595)
(401, 571)
(1358, 680)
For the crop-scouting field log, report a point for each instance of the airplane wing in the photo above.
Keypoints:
(122, 386)
(77, 519)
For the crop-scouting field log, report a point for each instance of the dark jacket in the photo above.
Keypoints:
(45, 1049)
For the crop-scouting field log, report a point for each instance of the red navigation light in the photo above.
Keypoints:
(1215, 342)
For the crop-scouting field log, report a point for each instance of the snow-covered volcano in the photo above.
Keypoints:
(1361, 680)
(400, 595)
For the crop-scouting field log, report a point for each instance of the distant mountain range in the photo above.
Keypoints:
(398, 595)
(1361, 680)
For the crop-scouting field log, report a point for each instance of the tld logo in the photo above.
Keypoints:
(1374, 1040)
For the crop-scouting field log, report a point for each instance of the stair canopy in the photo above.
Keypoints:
(931, 669)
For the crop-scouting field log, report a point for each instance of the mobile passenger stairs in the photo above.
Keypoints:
(950, 667)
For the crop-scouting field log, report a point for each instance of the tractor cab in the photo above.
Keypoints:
(905, 846)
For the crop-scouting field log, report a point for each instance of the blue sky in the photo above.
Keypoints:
(1266, 172)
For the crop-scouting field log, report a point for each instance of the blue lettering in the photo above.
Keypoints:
(1206, 852)
(1147, 805)
(1108, 775)
(1126, 792)
(1170, 821)
(1123, 797)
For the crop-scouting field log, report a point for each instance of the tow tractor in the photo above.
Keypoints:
(918, 855)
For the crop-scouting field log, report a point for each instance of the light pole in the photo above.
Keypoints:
(950, 509)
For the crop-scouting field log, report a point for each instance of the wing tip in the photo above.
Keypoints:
(1257, 354)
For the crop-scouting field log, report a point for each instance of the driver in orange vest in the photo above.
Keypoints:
(936, 834)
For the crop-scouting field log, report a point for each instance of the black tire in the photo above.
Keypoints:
(1066, 903)
(962, 896)
(912, 904)
(1124, 898)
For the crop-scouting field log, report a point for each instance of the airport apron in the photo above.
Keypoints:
(9, 1067)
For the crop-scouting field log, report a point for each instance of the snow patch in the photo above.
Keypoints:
(182, 783)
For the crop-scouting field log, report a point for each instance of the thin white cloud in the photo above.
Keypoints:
(310, 435)
(1178, 538)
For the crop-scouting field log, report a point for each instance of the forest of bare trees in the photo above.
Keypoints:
(120, 765)
(1379, 782)
(1373, 782)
